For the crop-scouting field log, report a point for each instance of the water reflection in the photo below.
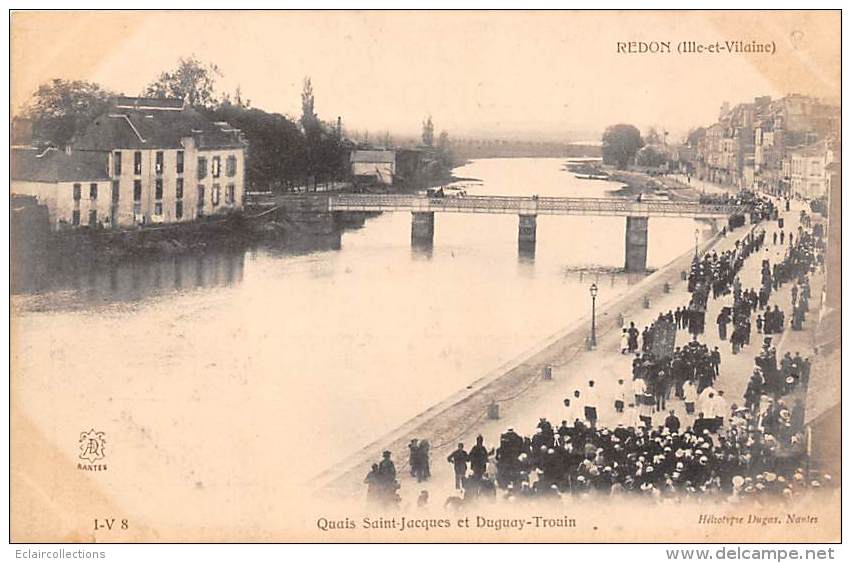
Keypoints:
(300, 244)
(526, 251)
(140, 277)
(422, 249)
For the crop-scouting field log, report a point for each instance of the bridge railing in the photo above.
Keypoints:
(530, 205)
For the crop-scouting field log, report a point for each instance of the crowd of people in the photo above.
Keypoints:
(755, 454)
(720, 450)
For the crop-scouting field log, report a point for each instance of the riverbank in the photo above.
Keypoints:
(105, 246)
(414, 187)
(673, 187)
(519, 381)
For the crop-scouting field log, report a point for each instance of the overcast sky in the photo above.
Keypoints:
(556, 75)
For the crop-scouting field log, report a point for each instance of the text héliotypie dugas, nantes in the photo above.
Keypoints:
(405, 523)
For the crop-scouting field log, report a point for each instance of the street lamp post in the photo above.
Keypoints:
(696, 234)
(593, 316)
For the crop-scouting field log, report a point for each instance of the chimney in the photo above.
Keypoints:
(68, 149)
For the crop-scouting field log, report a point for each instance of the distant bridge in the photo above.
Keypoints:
(423, 208)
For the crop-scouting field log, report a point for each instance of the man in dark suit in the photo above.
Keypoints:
(479, 457)
(672, 423)
(459, 459)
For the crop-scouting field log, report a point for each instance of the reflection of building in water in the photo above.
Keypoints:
(141, 277)
(135, 278)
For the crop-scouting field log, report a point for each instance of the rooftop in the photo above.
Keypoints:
(148, 123)
(53, 165)
(373, 156)
(159, 104)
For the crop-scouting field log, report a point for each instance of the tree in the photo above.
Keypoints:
(309, 119)
(276, 155)
(695, 135)
(235, 99)
(192, 81)
(445, 151)
(61, 108)
(653, 137)
(443, 141)
(428, 132)
(620, 143)
(649, 156)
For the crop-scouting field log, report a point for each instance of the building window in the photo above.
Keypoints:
(93, 218)
(229, 193)
(158, 209)
(202, 167)
(93, 191)
(216, 167)
(75, 217)
(78, 191)
(231, 166)
(137, 162)
(116, 163)
(217, 193)
(158, 167)
(180, 162)
(158, 188)
(200, 201)
(178, 193)
(115, 191)
(137, 190)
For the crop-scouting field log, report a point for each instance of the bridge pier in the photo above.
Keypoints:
(422, 227)
(527, 229)
(636, 244)
(526, 235)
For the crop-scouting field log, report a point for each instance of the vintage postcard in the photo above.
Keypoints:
(425, 276)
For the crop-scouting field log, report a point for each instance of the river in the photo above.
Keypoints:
(278, 362)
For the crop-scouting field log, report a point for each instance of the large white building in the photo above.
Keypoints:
(144, 161)
(806, 169)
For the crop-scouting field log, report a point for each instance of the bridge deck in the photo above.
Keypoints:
(529, 205)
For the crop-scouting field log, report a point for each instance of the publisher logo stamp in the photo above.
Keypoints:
(92, 450)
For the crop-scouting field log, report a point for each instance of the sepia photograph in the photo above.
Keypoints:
(425, 276)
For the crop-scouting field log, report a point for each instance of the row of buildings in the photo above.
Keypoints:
(782, 146)
(144, 161)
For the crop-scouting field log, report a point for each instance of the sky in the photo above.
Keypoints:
(533, 75)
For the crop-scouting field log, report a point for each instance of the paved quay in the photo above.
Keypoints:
(524, 396)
